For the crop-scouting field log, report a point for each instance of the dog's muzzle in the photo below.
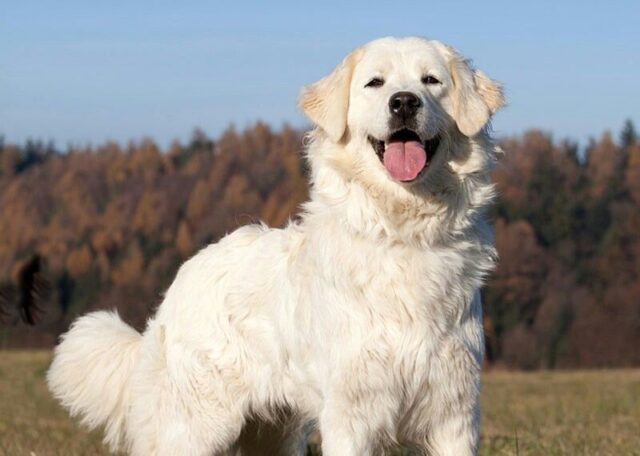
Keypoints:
(404, 154)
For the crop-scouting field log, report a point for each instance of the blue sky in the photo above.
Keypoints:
(88, 71)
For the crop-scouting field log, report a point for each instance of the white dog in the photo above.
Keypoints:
(363, 318)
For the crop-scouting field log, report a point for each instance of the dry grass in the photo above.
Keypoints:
(546, 413)
(31, 422)
(561, 413)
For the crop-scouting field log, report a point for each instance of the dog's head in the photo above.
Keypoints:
(396, 106)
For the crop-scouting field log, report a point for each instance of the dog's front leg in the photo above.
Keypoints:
(344, 432)
(457, 435)
(454, 400)
(357, 419)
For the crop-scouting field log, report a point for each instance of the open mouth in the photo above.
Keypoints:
(404, 154)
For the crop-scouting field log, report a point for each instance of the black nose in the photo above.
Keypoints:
(404, 104)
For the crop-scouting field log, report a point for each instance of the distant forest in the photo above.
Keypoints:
(108, 226)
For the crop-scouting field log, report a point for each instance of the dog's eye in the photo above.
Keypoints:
(375, 82)
(430, 80)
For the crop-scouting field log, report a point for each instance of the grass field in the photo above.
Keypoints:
(544, 413)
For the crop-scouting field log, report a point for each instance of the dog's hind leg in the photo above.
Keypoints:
(181, 404)
(189, 436)
(167, 423)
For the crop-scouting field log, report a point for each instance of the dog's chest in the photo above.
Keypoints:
(407, 285)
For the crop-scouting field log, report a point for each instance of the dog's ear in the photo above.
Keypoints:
(326, 102)
(475, 96)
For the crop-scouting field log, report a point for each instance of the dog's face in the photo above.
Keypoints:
(403, 98)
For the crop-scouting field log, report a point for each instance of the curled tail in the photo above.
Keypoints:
(90, 372)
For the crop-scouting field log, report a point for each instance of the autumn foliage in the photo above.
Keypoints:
(110, 225)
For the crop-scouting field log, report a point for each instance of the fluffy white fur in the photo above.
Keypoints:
(363, 317)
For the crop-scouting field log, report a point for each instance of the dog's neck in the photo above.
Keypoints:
(386, 212)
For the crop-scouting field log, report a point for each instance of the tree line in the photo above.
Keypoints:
(108, 226)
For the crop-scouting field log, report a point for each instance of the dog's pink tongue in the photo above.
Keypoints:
(404, 160)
